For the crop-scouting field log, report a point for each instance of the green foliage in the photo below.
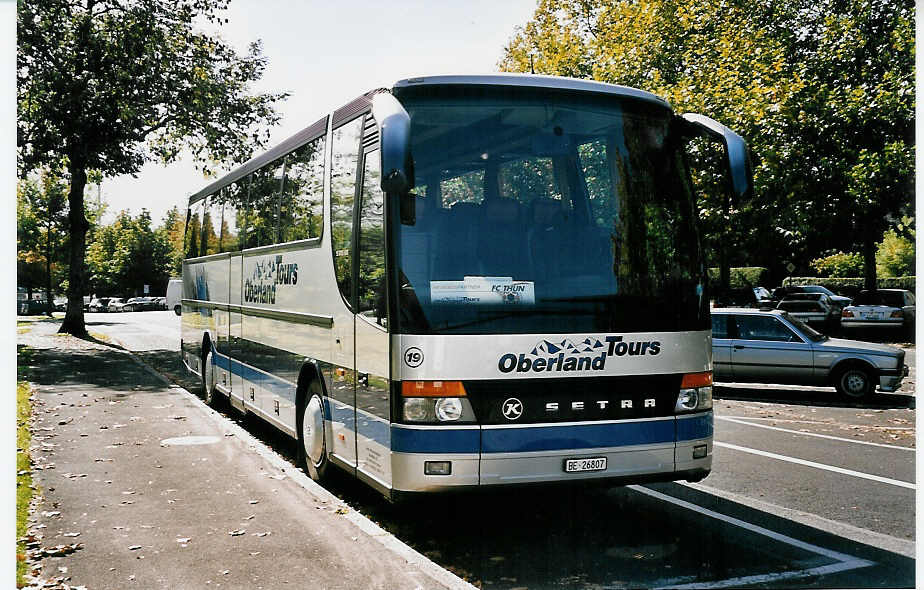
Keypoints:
(108, 85)
(129, 254)
(742, 277)
(171, 230)
(41, 222)
(24, 491)
(895, 254)
(823, 91)
(839, 264)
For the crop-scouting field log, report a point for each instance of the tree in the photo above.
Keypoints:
(108, 85)
(172, 229)
(895, 253)
(822, 90)
(41, 218)
(128, 254)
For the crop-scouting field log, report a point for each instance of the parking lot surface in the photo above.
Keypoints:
(806, 491)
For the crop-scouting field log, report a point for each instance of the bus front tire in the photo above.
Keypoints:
(312, 447)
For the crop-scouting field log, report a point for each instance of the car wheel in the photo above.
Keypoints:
(209, 393)
(854, 382)
(312, 447)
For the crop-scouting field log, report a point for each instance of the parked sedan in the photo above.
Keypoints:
(882, 308)
(98, 304)
(811, 308)
(774, 347)
(839, 301)
(115, 304)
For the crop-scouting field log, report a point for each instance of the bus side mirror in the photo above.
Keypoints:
(394, 127)
(736, 150)
(408, 208)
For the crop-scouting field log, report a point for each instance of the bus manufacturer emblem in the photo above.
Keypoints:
(512, 408)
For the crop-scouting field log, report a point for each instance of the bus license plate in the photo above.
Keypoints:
(589, 464)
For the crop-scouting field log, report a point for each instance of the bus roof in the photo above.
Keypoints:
(530, 81)
(359, 104)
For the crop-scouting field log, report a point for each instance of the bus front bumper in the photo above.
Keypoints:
(663, 449)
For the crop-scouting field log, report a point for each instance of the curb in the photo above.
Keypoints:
(429, 568)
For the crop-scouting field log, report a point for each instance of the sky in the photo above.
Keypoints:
(327, 53)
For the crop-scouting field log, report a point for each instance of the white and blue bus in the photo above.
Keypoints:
(466, 281)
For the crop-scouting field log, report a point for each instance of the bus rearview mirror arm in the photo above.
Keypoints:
(736, 150)
(394, 125)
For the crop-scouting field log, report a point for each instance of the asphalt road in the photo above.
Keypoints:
(806, 491)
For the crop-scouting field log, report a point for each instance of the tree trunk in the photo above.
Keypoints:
(77, 273)
(49, 250)
(869, 259)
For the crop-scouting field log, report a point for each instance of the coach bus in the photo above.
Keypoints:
(465, 281)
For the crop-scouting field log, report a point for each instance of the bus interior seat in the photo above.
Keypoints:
(501, 246)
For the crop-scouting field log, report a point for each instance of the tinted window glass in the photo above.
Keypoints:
(211, 226)
(342, 194)
(554, 213)
(752, 327)
(888, 298)
(720, 326)
(371, 284)
(194, 229)
(232, 217)
(261, 218)
(302, 199)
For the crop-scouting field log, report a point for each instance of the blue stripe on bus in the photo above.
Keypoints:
(273, 385)
(694, 428)
(589, 436)
(436, 440)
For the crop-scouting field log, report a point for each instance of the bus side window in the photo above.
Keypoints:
(264, 190)
(301, 203)
(232, 217)
(211, 226)
(194, 229)
(344, 162)
(371, 281)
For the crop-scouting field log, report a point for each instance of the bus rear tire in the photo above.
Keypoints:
(312, 445)
(209, 393)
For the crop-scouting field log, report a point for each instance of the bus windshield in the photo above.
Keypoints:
(547, 213)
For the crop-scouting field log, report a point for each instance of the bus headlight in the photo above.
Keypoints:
(695, 393)
(434, 402)
(448, 409)
(416, 409)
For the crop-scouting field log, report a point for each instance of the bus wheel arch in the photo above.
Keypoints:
(209, 393)
(310, 424)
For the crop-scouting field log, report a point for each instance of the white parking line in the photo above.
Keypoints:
(827, 436)
(843, 561)
(841, 470)
(817, 422)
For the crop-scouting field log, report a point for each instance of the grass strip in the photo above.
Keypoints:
(24, 491)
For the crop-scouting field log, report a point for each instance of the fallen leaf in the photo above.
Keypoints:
(237, 533)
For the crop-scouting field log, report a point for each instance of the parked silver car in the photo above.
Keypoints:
(749, 345)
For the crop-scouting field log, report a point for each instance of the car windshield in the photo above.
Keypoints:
(803, 306)
(888, 298)
(809, 332)
(817, 289)
(539, 213)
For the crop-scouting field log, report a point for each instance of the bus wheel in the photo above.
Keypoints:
(312, 448)
(208, 381)
(854, 382)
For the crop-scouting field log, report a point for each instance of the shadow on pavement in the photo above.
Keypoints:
(810, 397)
(93, 368)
